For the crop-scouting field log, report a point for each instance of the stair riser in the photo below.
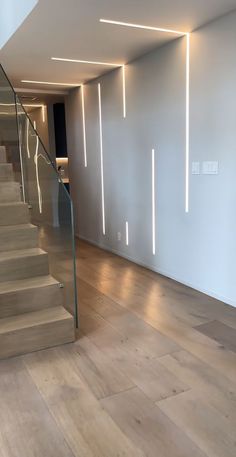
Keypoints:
(6, 172)
(14, 214)
(19, 239)
(24, 267)
(10, 192)
(29, 300)
(36, 338)
(3, 155)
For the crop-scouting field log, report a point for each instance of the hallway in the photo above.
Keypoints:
(152, 373)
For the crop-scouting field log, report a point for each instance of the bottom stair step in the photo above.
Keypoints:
(28, 295)
(35, 331)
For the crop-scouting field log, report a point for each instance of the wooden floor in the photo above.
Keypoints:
(153, 373)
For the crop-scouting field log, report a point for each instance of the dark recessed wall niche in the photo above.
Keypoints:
(60, 129)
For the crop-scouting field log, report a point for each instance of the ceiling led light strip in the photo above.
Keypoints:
(187, 128)
(97, 62)
(90, 62)
(144, 27)
(50, 83)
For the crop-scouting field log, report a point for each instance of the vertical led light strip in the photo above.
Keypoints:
(124, 91)
(127, 233)
(153, 204)
(36, 157)
(44, 112)
(21, 163)
(27, 138)
(84, 127)
(187, 147)
(101, 155)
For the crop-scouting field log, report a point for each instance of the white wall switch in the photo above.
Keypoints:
(195, 168)
(210, 168)
(119, 236)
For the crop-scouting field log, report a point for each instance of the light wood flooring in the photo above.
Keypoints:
(152, 373)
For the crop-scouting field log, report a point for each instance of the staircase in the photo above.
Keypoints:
(32, 316)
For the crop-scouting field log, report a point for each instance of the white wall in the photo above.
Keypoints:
(15, 13)
(198, 248)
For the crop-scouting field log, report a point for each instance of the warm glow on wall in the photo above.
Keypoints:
(97, 62)
(43, 107)
(187, 108)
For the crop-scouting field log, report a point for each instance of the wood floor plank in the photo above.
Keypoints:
(88, 429)
(148, 374)
(213, 387)
(148, 427)
(175, 328)
(129, 325)
(96, 370)
(212, 432)
(27, 427)
(223, 334)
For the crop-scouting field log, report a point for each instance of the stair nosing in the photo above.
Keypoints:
(17, 282)
(21, 253)
(23, 319)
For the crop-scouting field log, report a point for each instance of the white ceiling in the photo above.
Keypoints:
(71, 29)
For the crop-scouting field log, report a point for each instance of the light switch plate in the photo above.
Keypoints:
(195, 168)
(210, 168)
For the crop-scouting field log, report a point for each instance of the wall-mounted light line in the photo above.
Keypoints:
(101, 156)
(44, 112)
(124, 91)
(127, 233)
(43, 107)
(187, 146)
(153, 204)
(84, 126)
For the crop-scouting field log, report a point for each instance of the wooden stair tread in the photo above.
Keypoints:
(29, 283)
(13, 204)
(34, 319)
(16, 227)
(5, 255)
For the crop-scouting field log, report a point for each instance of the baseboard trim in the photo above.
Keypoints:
(167, 274)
